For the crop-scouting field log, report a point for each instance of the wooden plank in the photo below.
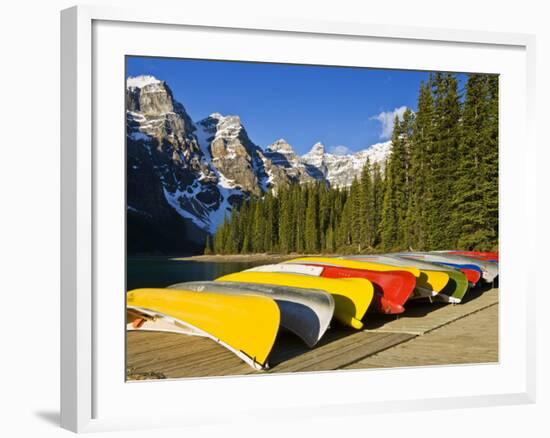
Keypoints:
(181, 348)
(472, 339)
(183, 356)
(420, 318)
(143, 344)
(342, 352)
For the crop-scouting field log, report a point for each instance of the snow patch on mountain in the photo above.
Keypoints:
(228, 127)
(183, 208)
(205, 133)
(141, 81)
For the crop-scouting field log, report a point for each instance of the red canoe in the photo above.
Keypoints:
(478, 254)
(472, 275)
(391, 288)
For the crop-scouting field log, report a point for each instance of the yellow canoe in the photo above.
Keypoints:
(425, 279)
(247, 325)
(352, 296)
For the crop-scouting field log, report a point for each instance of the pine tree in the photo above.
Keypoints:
(220, 237)
(468, 200)
(403, 179)
(258, 228)
(345, 227)
(421, 147)
(393, 183)
(269, 228)
(244, 228)
(208, 245)
(475, 201)
(284, 224)
(339, 216)
(324, 214)
(367, 208)
(443, 162)
(378, 199)
(490, 164)
(330, 241)
(299, 208)
(311, 236)
(231, 245)
(356, 215)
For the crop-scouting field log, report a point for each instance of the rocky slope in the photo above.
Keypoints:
(184, 177)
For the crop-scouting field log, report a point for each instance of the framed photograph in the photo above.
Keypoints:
(260, 213)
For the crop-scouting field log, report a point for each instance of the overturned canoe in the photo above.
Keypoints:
(482, 255)
(352, 296)
(429, 282)
(246, 325)
(489, 269)
(391, 288)
(472, 272)
(304, 312)
(352, 263)
(454, 288)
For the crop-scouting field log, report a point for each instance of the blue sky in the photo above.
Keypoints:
(338, 106)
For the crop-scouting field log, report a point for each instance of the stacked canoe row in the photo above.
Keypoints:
(244, 311)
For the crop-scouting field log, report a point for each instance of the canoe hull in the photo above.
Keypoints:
(489, 269)
(430, 280)
(228, 320)
(489, 256)
(472, 272)
(392, 288)
(305, 312)
(456, 288)
(352, 296)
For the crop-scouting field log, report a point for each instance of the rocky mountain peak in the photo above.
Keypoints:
(281, 146)
(234, 156)
(318, 149)
(150, 96)
(225, 127)
(229, 126)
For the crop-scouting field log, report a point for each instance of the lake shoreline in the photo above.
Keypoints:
(224, 258)
(228, 258)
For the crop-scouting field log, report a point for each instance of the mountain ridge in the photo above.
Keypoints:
(200, 170)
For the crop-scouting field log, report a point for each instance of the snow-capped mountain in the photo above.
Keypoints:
(340, 170)
(292, 167)
(184, 177)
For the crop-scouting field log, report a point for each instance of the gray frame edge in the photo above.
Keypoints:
(75, 360)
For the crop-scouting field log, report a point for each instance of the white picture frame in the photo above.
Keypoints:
(92, 391)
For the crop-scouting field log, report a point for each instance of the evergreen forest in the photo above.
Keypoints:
(438, 188)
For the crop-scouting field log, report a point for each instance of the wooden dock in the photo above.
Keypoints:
(426, 334)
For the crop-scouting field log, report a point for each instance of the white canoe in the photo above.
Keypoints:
(305, 312)
(489, 270)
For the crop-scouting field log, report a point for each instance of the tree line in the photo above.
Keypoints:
(437, 190)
